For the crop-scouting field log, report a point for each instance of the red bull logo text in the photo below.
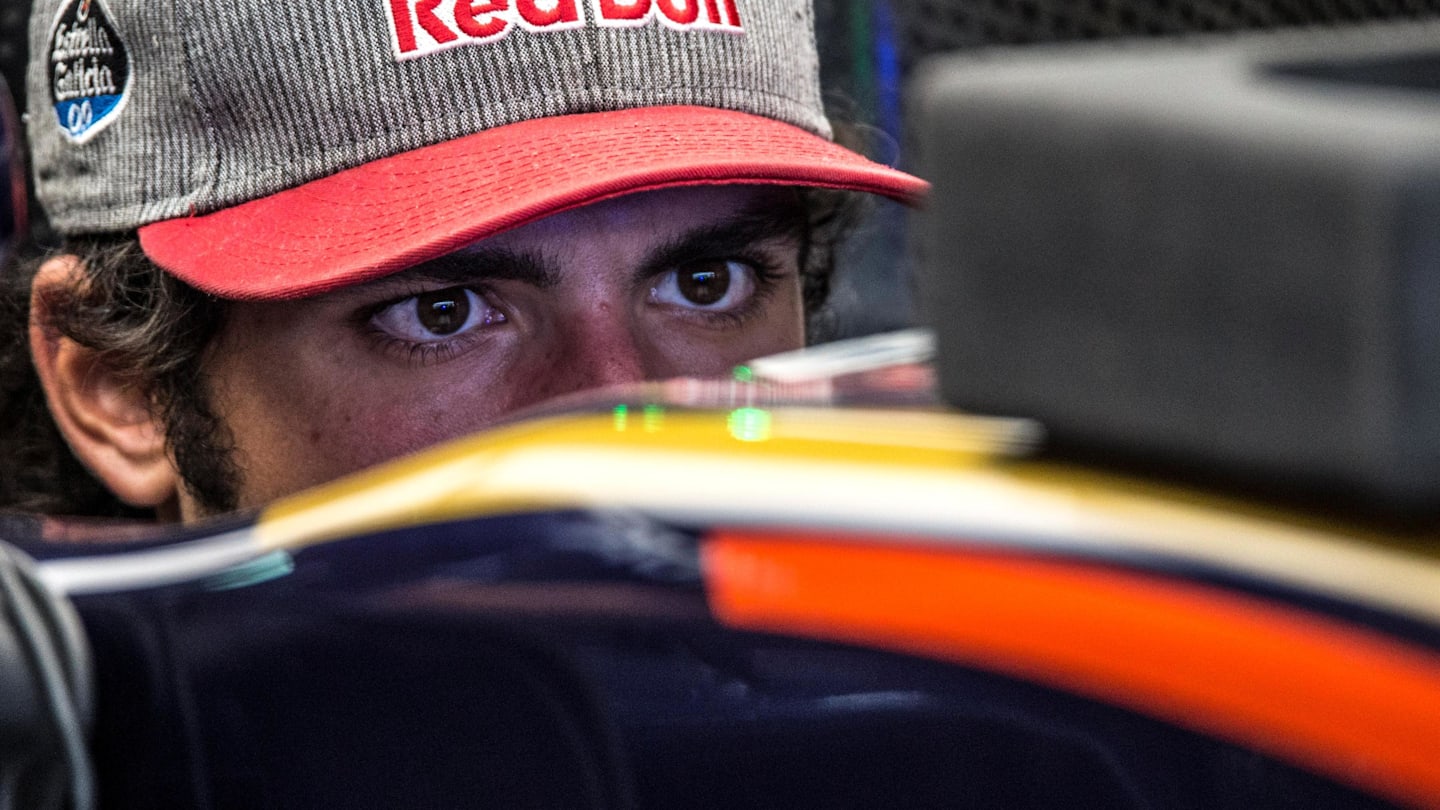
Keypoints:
(419, 27)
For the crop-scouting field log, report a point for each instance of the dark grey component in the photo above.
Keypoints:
(1221, 254)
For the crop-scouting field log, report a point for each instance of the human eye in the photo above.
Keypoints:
(434, 320)
(721, 286)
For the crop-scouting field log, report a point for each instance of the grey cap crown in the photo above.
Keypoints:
(236, 100)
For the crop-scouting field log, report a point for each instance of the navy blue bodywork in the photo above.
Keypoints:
(570, 660)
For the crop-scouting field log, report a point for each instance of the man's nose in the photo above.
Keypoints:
(597, 349)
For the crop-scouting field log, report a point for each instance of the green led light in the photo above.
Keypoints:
(749, 424)
(654, 416)
(744, 374)
(622, 416)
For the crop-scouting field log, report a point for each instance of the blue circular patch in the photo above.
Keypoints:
(89, 69)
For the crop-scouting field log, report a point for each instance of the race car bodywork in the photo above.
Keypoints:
(757, 604)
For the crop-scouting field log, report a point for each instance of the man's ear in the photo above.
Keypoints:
(105, 417)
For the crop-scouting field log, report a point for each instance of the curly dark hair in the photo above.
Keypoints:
(156, 330)
(149, 327)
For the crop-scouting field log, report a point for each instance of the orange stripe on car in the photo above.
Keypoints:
(1351, 703)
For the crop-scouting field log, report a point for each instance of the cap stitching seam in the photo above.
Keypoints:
(212, 143)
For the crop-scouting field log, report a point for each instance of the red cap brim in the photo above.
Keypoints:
(392, 213)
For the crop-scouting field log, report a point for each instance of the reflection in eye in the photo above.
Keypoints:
(709, 285)
(437, 315)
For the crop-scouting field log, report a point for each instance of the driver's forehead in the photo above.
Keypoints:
(637, 223)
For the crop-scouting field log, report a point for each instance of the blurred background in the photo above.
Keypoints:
(869, 48)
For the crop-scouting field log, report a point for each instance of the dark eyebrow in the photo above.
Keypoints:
(478, 263)
(772, 218)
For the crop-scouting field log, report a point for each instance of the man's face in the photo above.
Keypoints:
(677, 282)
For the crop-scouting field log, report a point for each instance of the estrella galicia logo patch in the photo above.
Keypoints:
(89, 69)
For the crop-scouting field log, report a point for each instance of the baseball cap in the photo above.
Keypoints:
(269, 149)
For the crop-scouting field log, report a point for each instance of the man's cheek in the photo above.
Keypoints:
(378, 431)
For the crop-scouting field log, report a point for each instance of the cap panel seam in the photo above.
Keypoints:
(204, 190)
